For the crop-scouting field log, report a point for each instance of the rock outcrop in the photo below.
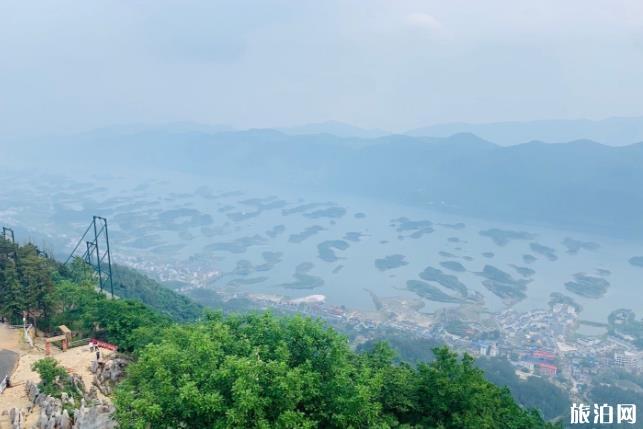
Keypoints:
(55, 413)
(108, 374)
(97, 416)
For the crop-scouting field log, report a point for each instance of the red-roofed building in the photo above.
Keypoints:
(547, 369)
(541, 354)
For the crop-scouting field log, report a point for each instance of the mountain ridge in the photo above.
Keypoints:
(581, 184)
(613, 131)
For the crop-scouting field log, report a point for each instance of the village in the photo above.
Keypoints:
(538, 343)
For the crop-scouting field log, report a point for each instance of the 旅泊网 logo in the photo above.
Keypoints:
(603, 414)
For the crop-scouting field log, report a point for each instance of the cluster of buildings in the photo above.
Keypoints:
(546, 343)
(193, 275)
(542, 343)
(539, 342)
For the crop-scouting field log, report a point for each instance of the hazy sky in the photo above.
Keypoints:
(396, 64)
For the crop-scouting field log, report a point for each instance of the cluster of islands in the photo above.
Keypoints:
(233, 239)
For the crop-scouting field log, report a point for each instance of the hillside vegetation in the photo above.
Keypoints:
(253, 370)
(131, 284)
(54, 294)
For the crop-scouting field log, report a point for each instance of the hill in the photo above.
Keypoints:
(612, 131)
(577, 185)
(131, 284)
(336, 128)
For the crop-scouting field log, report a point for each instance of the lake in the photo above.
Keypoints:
(265, 240)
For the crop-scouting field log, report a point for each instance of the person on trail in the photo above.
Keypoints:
(97, 354)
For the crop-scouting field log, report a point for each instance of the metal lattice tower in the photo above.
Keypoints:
(8, 232)
(96, 240)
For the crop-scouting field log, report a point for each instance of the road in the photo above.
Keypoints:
(8, 360)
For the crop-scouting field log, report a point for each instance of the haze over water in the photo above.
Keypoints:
(454, 238)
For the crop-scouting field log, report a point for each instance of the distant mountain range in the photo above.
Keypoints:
(611, 131)
(580, 184)
(336, 128)
(615, 131)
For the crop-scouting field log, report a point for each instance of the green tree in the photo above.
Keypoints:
(12, 299)
(455, 394)
(125, 323)
(259, 371)
(251, 372)
(534, 392)
(53, 378)
(35, 273)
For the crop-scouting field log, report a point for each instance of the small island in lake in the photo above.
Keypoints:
(446, 254)
(430, 292)
(448, 281)
(458, 225)
(503, 237)
(503, 285)
(330, 212)
(353, 236)
(529, 259)
(390, 262)
(276, 230)
(327, 249)
(636, 261)
(524, 271)
(545, 251)
(559, 298)
(270, 260)
(417, 227)
(453, 266)
(588, 286)
(308, 232)
(303, 280)
(574, 246)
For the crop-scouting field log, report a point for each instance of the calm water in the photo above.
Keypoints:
(50, 213)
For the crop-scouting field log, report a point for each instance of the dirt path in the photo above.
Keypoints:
(76, 360)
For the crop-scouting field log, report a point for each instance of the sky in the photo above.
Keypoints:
(68, 66)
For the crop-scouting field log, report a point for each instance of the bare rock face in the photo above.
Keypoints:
(65, 420)
(107, 375)
(32, 391)
(54, 412)
(51, 409)
(98, 416)
(17, 418)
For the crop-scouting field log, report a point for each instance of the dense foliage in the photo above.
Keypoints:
(54, 379)
(52, 294)
(535, 392)
(408, 348)
(260, 371)
(26, 283)
(131, 284)
(623, 322)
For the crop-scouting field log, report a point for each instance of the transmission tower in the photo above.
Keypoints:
(96, 254)
(8, 232)
(8, 235)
